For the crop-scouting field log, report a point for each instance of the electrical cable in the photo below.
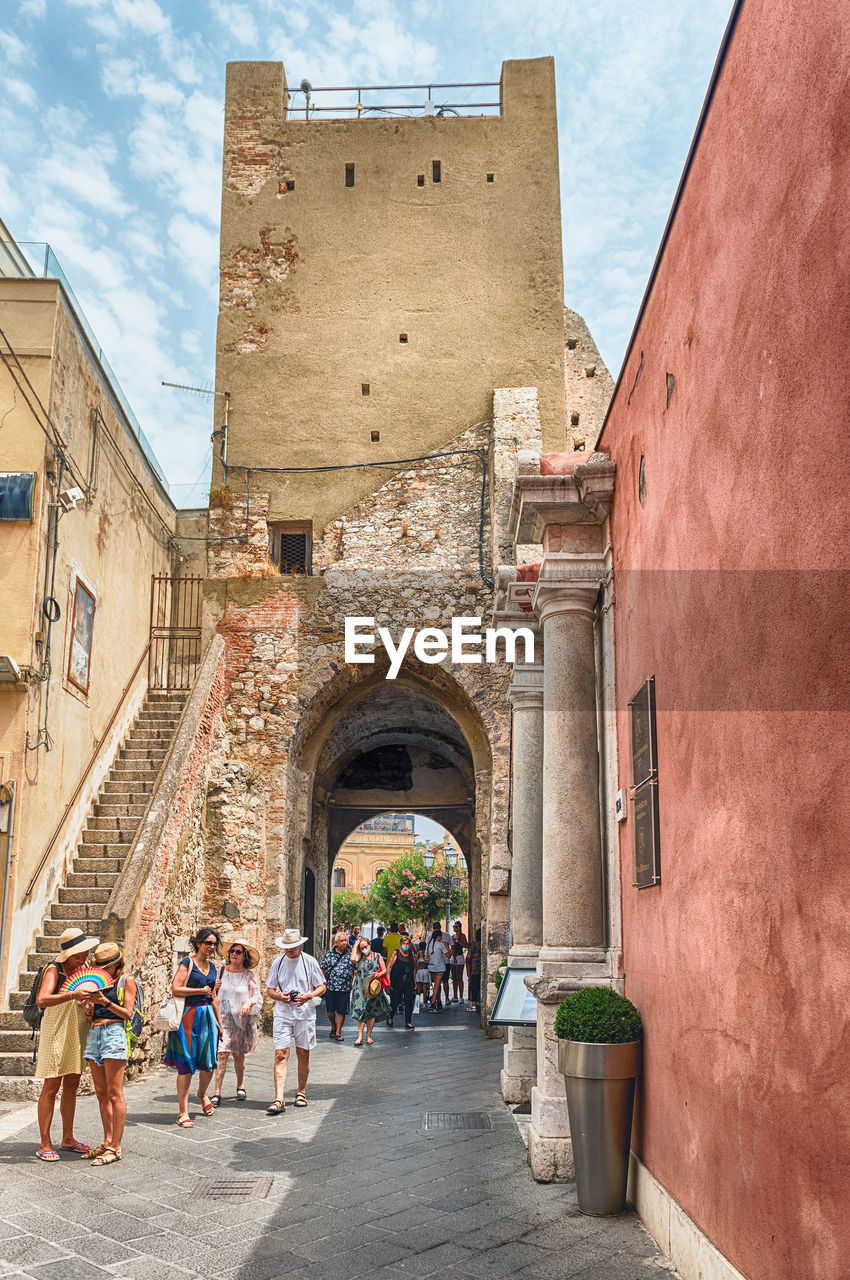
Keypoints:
(17, 372)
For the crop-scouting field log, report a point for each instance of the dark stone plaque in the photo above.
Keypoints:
(642, 723)
(646, 835)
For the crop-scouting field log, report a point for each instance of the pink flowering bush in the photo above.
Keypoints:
(408, 892)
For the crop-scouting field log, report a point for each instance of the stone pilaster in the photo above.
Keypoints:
(519, 1068)
(573, 949)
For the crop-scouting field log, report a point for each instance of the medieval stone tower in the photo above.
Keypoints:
(391, 334)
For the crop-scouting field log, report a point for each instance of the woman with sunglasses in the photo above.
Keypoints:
(194, 1045)
(240, 1003)
(368, 1005)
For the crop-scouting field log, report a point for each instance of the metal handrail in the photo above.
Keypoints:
(69, 806)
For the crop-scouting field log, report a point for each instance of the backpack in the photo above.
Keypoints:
(31, 1011)
(137, 1018)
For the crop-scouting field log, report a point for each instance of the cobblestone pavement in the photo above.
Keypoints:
(359, 1185)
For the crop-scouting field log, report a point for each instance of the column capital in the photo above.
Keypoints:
(576, 597)
(526, 688)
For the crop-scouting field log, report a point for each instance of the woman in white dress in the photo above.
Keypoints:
(240, 1002)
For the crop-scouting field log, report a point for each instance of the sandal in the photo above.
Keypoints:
(206, 1106)
(241, 1095)
(215, 1100)
(357, 1043)
(79, 1148)
(340, 1039)
(185, 1121)
(369, 1041)
(277, 1108)
(110, 1156)
(48, 1155)
(301, 1098)
(95, 1151)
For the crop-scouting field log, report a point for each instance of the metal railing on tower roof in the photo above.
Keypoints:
(429, 106)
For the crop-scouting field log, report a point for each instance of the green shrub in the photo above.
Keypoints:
(598, 1015)
(499, 974)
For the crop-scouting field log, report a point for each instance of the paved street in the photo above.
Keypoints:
(359, 1185)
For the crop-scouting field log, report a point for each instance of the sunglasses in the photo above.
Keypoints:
(208, 942)
(236, 951)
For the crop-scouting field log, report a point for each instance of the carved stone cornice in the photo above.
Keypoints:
(568, 585)
(582, 497)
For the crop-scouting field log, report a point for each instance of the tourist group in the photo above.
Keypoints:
(213, 1010)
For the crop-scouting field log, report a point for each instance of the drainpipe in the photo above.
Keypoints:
(8, 874)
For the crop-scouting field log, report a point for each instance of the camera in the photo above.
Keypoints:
(292, 995)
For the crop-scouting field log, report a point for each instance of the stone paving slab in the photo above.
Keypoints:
(359, 1187)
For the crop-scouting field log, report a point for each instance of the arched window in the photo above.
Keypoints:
(339, 877)
(378, 871)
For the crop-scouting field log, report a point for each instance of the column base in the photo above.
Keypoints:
(519, 1064)
(550, 1148)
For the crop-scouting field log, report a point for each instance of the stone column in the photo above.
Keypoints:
(519, 1067)
(572, 952)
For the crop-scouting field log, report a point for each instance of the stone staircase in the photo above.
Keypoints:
(109, 835)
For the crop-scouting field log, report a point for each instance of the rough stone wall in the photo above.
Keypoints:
(516, 431)
(589, 385)
(174, 899)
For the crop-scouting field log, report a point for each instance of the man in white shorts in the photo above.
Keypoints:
(295, 981)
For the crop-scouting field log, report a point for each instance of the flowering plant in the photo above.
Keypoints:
(409, 892)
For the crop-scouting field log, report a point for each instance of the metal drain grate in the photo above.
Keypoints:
(456, 1120)
(250, 1186)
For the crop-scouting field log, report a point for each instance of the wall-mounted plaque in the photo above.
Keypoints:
(645, 824)
(646, 837)
(642, 723)
(515, 1005)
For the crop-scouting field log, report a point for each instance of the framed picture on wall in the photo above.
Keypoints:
(82, 628)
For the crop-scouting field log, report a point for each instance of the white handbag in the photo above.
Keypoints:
(169, 1014)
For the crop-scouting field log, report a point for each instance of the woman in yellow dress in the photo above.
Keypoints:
(61, 1042)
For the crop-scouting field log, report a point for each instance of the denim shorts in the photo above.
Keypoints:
(109, 1041)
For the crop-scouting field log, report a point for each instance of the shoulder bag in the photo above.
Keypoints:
(170, 1013)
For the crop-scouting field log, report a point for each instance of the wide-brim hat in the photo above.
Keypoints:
(252, 953)
(73, 942)
(289, 938)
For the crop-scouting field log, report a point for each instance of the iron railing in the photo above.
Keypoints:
(175, 644)
(429, 105)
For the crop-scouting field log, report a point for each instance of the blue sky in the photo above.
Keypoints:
(111, 115)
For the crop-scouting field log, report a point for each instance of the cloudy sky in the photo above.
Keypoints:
(111, 115)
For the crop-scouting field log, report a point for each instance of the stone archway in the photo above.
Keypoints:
(415, 744)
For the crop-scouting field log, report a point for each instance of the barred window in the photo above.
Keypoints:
(339, 878)
(290, 548)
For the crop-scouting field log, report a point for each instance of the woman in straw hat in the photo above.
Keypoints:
(108, 1049)
(240, 1002)
(64, 1028)
(369, 1003)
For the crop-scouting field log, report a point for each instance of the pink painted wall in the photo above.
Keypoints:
(731, 589)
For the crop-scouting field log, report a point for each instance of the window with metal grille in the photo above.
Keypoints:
(290, 548)
(339, 878)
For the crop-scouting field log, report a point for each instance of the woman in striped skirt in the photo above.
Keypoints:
(194, 1045)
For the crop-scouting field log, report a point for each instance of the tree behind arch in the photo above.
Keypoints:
(350, 907)
(409, 892)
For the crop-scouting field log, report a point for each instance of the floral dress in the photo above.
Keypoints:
(362, 1009)
(240, 1030)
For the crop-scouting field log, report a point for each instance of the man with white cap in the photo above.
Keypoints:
(296, 984)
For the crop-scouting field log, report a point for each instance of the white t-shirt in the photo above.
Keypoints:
(438, 955)
(301, 974)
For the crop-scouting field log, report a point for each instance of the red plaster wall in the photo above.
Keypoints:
(731, 585)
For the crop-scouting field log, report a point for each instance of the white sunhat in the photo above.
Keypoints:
(74, 942)
(290, 938)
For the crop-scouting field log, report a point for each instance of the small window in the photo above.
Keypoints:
(339, 877)
(420, 181)
(436, 171)
(590, 371)
(364, 389)
(290, 547)
(642, 480)
(16, 494)
(82, 629)
(572, 343)
(349, 175)
(573, 419)
(491, 177)
(375, 437)
(402, 337)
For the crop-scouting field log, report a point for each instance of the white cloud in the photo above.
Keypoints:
(21, 91)
(13, 50)
(33, 8)
(84, 172)
(238, 19)
(196, 252)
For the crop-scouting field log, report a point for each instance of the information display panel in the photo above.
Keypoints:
(515, 1005)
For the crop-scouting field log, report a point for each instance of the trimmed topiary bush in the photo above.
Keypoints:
(598, 1015)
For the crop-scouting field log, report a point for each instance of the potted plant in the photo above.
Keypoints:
(599, 1054)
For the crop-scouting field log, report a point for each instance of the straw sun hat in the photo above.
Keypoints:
(289, 938)
(74, 942)
(252, 953)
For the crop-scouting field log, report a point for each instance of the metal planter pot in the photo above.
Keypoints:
(600, 1082)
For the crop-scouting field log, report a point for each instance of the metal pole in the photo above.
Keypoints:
(8, 875)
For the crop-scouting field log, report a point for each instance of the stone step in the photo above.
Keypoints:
(91, 879)
(17, 999)
(103, 849)
(13, 1020)
(54, 928)
(68, 913)
(16, 1041)
(110, 810)
(121, 791)
(127, 825)
(96, 866)
(126, 774)
(16, 1064)
(87, 896)
(141, 752)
